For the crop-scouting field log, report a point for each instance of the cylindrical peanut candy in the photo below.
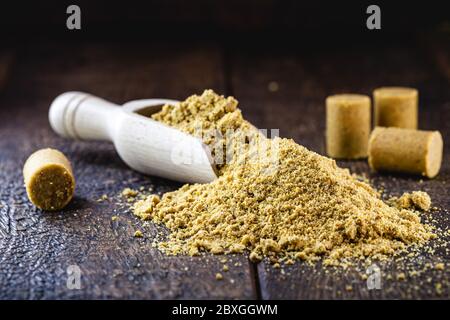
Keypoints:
(49, 179)
(406, 150)
(396, 107)
(348, 126)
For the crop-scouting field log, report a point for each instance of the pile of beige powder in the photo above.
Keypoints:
(302, 206)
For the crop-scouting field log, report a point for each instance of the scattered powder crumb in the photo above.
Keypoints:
(144, 208)
(273, 260)
(289, 262)
(219, 276)
(401, 276)
(413, 273)
(301, 206)
(276, 265)
(129, 193)
(417, 199)
(439, 266)
(138, 234)
(273, 86)
(114, 218)
(225, 268)
(254, 257)
(348, 288)
(438, 287)
(104, 197)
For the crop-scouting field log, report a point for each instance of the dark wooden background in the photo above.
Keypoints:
(234, 54)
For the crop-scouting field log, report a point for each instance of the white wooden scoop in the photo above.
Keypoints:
(144, 144)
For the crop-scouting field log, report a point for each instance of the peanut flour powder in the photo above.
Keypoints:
(416, 199)
(303, 206)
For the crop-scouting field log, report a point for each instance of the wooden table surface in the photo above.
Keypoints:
(36, 248)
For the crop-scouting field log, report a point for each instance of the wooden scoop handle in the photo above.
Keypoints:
(79, 115)
(144, 144)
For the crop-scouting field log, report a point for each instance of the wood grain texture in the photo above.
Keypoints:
(297, 108)
(36, 248)
(6, 61)
(437, 47)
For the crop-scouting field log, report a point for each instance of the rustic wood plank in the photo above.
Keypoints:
(437, 47)
(304, 77)
(36, 248)
(6, 61)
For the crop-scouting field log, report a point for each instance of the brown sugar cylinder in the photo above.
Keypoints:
(347, 126)
(49, 179)
(406, 150)
(396, 107)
